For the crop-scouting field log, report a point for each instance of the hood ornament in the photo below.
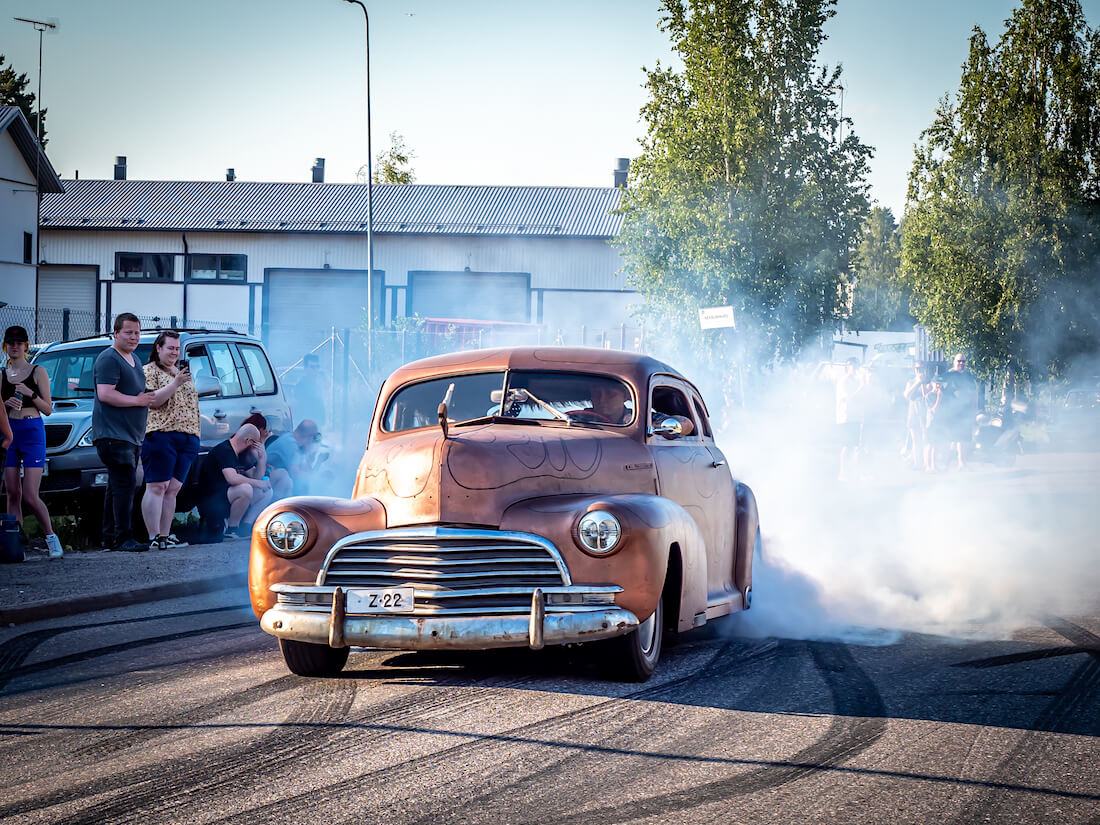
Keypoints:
(442, 412)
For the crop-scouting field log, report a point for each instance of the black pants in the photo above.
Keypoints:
(120, 458)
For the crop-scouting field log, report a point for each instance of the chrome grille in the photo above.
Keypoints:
(452, 570)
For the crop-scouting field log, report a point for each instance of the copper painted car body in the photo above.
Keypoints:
(480, 515)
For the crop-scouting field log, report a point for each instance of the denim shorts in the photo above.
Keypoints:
(28, 446)
(168, 455)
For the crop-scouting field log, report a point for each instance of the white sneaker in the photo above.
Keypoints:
(53, 546)
(172, 541)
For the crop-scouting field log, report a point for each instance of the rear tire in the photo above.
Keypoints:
(306, 659)
(634, 657)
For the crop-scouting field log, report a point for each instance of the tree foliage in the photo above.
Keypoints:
(393, 165)
(1003, 217)
(13, 92)
(744, 194)
(879, 299)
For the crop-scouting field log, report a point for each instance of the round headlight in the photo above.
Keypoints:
(599, 532)
(287, 533)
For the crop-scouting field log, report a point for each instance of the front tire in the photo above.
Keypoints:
(306, 659)
(634, 657)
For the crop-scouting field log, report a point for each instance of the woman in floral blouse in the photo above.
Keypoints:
(171, 438)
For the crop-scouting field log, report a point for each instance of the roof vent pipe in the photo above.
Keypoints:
(230, 173)
(319, 170)
(120, 167)
(622, 168)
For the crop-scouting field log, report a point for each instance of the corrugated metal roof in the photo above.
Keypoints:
(12, 121)
(243, 206)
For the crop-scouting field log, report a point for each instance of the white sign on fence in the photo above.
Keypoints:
(715, 317)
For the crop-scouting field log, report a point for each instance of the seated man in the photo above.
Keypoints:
(609, 402)
(290, 457)
(227, 493)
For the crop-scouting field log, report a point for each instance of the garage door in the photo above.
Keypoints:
(301, 307)
(72, 288)
(484, 296)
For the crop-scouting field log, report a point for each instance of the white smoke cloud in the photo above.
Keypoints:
(980, 551)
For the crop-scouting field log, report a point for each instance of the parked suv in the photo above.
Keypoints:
(245, 383)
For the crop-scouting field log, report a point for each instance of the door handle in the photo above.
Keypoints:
(219, 414)
(720, 463)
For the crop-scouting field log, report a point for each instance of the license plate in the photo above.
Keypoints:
(380, 600)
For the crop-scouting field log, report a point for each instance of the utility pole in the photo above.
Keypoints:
(40, 26)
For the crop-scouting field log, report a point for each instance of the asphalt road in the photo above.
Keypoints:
(186, 714)
(182, 711)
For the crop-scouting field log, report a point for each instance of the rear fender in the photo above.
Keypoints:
(748, 520)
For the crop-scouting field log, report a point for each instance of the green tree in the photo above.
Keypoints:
(13, 92)
(393, 165)
(744, 194)
(1002, 220)
(879, 300)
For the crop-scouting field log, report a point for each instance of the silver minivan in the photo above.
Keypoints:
(231, 370)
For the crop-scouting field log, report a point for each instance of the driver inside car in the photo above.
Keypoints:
(609, 402)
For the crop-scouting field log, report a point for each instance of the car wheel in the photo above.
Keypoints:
(306, 659)
(634, 657)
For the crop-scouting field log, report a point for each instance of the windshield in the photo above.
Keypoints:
(70, 370)
(576, 397)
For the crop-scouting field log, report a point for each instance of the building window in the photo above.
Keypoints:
(217, 267)
(28, 248)
(144, 266)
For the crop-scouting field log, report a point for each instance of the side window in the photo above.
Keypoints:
(242, 372)
(224, 368)
(668, 401)
(263, 379)
(701, 416)
(198, 359)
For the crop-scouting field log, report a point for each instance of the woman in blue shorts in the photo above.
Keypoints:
(171, 438)
(25, 390)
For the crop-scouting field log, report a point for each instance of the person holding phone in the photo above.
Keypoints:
(171, 438)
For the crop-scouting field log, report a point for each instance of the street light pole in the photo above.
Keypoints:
(370, 208)
(40, 26)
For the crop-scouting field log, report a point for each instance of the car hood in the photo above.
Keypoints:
(473, 476)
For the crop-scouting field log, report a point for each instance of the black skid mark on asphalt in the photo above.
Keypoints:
(1077, 699)
(122, 737)
(305, 805)
(87, 655)
(156, 790)
(858, 723)
(15, 651)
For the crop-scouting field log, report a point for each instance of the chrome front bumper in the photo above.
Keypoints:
(541, 626)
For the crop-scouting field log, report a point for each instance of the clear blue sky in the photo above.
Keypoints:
(484, 91)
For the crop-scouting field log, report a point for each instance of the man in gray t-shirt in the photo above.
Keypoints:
(119, 412)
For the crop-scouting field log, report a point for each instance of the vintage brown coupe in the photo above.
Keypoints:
(515, 497)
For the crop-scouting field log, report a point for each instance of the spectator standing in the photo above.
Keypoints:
(25, 390)
(229, 496)
(960, 405)
(171, 438)
(848, 420)
(309, 392)
(119, 414)
(917, 414)
(291, 459)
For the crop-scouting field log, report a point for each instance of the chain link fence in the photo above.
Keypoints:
(47, 325)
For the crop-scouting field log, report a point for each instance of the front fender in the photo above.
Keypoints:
(652, 525)
(329, 520)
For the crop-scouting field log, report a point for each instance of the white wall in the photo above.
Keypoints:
(17, 215)
(561, 263)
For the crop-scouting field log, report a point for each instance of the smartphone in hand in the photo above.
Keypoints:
(182, 365)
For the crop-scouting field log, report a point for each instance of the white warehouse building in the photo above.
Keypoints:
(288, 260)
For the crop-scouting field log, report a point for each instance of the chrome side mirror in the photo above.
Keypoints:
(669, 428)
